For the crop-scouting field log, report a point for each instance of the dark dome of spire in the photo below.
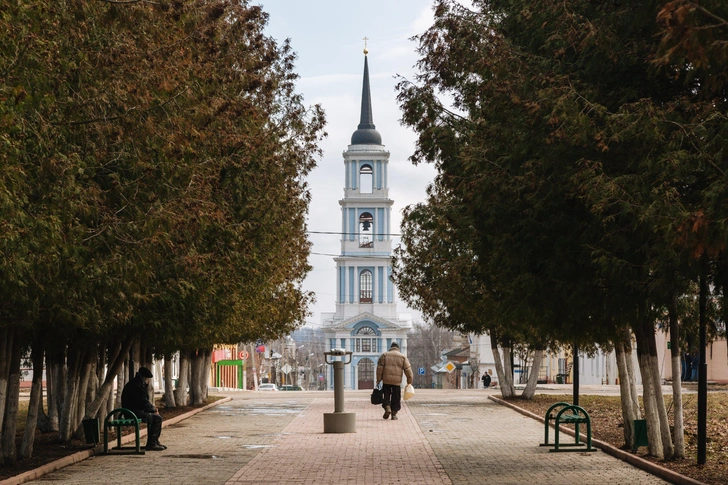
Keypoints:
(366, 137)
(366, 134)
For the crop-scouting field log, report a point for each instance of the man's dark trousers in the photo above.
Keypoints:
(392, 397)
(154, 427)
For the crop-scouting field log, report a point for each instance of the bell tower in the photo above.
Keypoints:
(366, 320)
(364, 266)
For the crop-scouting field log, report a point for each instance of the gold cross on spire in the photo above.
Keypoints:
(366, 51)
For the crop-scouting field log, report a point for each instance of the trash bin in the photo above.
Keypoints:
(559, 379)
(640, 434)
(91, 430)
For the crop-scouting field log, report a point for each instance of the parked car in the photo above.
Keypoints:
(267, 387)
(289, 387)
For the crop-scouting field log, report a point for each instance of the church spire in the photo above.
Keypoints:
(366, 134)
(366, 121)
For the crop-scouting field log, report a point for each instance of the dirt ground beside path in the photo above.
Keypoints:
(47, 448)
(606, 417)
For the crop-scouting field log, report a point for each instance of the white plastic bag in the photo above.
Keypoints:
(409, 391)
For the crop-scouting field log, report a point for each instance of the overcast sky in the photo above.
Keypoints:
(327, 36)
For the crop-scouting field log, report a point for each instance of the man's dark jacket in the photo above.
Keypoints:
(135, 398)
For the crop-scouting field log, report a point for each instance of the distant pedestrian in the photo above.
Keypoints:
(695, 367)
(390, 368)
(687, 370)
(134, 397)
(486, 380)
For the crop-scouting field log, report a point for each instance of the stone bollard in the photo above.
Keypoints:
(339, 421)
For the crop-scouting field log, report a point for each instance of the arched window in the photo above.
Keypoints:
(366, 226)
(365, 344)
(366, 331)
(366, 179)
(365, 288)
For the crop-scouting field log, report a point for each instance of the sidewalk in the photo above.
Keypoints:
(442, 437)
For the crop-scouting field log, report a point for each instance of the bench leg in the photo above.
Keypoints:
(546, 431)
(136, 433)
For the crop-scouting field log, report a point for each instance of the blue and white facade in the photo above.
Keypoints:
(366, 320)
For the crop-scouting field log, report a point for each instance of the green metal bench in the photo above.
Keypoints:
(117, 419)
(575, 415)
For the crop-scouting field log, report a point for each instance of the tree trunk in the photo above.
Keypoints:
(10, 421)
(651, 415)
(70, 399)
(628, 398)
(679, 428)
(206, 366)
(665, 434)
(498, 365)
(530, 389)
(121, 377)
(180, 394)
(168, 382)
(36, 394)
(198, 375)
(508, 369)
(93, 410)
(255, 367)
(647, 338)
(643, 332)
(84, 380)
(110, 402)
(54, 393)
(6, 346)
(101, 364)
(43, 423)
(146, 359)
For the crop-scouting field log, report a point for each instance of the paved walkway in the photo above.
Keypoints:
(442, 437)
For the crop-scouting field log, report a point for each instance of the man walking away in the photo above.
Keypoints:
(134, 397)
(390, 367)
(486, 380)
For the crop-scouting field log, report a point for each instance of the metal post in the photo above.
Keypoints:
(339, 386)
(339, 421)
(703, 369)
(576, 376)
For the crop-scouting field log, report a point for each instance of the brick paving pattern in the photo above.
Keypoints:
(207, 448)
(481, 442)
(380, 452)
(442, 437)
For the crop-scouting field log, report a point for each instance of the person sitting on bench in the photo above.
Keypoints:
(135, 398)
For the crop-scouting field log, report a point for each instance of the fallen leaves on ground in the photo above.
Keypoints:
(605, 413)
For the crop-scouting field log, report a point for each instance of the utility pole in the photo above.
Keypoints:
(703, 369)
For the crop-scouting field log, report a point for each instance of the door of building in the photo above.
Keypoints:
(366, 374)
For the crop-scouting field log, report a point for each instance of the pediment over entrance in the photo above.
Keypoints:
(355, 323)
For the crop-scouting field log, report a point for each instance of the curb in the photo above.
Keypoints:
(82, 455)
(646, 465)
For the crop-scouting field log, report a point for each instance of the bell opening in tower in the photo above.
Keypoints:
(366, 235)
(366, 179)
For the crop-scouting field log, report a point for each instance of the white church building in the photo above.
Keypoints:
(366, 320)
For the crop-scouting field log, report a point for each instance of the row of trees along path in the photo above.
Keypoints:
(581, 195)
(152, 197)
